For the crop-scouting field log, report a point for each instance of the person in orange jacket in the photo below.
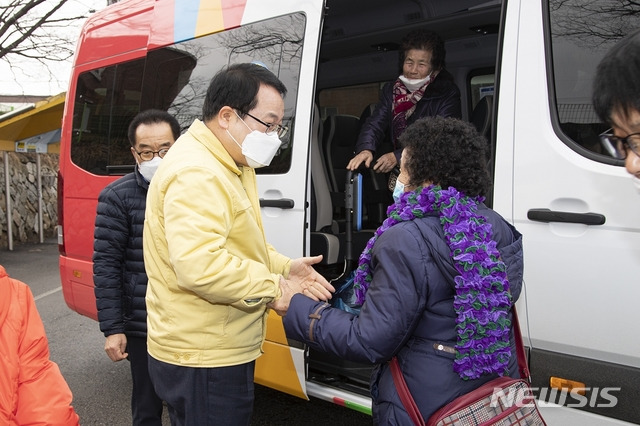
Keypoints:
(32, 389)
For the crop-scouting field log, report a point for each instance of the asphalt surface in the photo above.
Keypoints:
(101, 388)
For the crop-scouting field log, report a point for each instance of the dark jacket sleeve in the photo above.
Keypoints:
(395, 301)
(448, 104)
(374, 129)
(111, 233)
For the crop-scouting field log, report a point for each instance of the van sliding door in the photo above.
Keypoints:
(574, 204)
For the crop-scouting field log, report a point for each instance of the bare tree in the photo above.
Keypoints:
(36, 31)
(594, 23)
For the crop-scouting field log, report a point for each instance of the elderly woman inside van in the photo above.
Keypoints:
(433, 311)
(424, 88)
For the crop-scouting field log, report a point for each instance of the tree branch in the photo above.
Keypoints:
(29, 31)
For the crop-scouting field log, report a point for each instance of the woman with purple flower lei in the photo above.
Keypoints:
(437, 280)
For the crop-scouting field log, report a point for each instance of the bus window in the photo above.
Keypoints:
(580, 36)
(274, 43)
(167, 73)
(106, 100)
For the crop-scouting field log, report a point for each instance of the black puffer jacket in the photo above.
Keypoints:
(118, 265)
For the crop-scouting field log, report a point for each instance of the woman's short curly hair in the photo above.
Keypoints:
(448, 152)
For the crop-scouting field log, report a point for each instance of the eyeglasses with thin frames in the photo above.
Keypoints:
(271, 127)
(148, 155)
(618, 147)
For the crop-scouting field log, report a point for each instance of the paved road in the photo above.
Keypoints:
(101, 388)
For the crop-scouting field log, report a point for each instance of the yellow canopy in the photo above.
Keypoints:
(45, 117)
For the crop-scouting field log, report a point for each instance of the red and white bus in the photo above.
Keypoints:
(524, 68)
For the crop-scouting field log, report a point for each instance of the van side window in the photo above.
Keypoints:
(581, 33)
(106, 100)
(175, 79)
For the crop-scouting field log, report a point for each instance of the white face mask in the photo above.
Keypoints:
(398, 190)
(258, 148)
(148, 168)
(414, 84)
(636, 183)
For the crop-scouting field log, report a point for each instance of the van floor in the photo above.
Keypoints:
(346, 375)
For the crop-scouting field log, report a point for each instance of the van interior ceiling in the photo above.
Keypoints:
(357, 49)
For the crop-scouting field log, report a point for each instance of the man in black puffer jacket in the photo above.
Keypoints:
(118, 265)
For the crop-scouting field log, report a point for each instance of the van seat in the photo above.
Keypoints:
(340, 134)
(366, 113)
(323, 230)
(482, 118)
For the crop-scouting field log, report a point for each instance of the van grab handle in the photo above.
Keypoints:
(282, 203)
(546, 215)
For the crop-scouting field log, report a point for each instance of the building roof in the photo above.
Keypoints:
(43, 117)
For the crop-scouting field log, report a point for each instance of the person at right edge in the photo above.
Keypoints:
(616, 99)
(423, 89)
(436, 281)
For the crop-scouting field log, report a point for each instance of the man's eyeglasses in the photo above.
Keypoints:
(148, 155)
(271, 127)
(618, 147)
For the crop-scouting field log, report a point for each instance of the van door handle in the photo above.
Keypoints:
(546, 215)
(282, 203)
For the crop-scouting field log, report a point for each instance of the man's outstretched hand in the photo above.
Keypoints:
(302, 279)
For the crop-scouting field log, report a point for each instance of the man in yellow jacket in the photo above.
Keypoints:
(212, 275)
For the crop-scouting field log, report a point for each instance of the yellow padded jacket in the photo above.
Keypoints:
(211, 271)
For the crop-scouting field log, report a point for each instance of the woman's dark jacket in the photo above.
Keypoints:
(408, 312)
(118, 265)
(442, 97)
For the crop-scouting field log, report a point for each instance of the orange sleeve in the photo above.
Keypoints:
(43, 394)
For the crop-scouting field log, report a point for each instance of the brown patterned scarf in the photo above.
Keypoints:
(404, 104)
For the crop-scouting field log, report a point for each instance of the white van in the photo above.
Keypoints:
(524, 69)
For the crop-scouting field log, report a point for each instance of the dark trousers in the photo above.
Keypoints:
(146, 406)
(205, 396)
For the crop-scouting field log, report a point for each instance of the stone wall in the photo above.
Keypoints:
(23, 187)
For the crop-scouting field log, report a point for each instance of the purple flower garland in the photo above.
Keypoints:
(482, 301)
